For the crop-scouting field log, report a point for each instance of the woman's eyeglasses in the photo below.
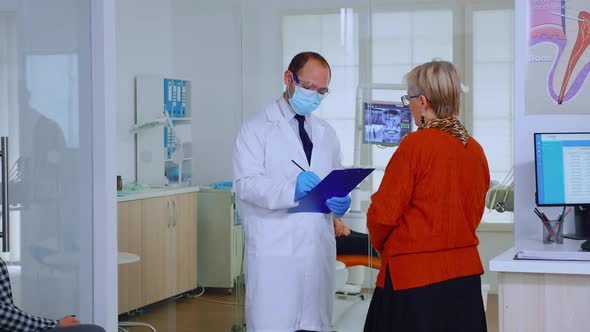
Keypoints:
(406, 99)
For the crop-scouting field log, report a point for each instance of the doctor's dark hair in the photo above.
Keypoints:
(302, 58)
(439, 82)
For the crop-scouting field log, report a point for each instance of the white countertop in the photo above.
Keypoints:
(506, 262)
(156, 192)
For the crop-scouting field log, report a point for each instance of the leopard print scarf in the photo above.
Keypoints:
(449, 125)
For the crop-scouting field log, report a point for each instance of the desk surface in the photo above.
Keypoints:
(506, 262)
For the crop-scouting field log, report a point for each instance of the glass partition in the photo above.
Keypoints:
(236, 52)
(45, 113)
(370, 46)
(340, 31)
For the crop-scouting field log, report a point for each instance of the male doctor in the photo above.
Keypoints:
(290, 257)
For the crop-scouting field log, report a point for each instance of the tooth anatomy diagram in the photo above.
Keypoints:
(558, 56)
(582, 42)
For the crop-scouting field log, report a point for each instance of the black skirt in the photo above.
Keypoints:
(454, 305)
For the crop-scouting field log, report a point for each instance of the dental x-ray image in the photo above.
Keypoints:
(386, 123)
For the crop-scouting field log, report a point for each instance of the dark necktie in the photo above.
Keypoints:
(305, 140)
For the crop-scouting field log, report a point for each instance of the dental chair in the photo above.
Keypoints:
(353, 284)
(373, 262)
(351, 305)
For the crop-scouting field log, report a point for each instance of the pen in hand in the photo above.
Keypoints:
(296, 164)
(306, 181)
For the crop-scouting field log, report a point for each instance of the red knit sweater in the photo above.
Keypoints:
(424, 216)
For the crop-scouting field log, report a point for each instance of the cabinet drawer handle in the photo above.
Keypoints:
(175, 213)
(169, 213)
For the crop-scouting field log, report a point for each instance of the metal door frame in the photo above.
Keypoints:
(104, 160)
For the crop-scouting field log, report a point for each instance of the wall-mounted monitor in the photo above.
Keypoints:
(562, 169)
(386, 123)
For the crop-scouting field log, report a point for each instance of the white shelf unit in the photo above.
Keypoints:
(151, 126)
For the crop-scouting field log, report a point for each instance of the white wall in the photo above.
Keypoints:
(187, 39)
(212, 35)
(143, 29)
(236, 68)
(527, 225)
(263, 45)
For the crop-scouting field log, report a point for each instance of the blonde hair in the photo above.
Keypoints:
(439, 82)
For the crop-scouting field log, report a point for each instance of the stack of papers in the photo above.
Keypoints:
(553, 255)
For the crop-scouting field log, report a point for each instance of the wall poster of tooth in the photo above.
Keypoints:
(558, 61)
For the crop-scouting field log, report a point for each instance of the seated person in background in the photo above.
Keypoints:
(352, 243)
(13, 319)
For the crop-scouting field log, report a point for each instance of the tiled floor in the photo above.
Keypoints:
(215, 311)
(191, 314)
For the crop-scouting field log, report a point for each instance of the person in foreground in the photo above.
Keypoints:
(290, 257)
(423, 218)
(13, 319)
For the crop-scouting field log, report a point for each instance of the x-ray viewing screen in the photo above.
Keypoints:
(562, 168)
(386, 123)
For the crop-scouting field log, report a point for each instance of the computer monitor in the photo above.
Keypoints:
(386, 123)
(562, 169)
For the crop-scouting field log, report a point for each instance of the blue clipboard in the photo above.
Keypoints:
(339, 182)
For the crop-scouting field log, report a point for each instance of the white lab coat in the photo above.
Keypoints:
(290, 258)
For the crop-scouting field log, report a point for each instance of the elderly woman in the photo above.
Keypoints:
(423, 218)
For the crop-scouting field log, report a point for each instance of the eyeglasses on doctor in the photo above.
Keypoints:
(406, 99)
(310, 86)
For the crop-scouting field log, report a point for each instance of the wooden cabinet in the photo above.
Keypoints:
(163, 232)
(155, 250)
(186, 242)
(220, 239)
(129, 234)
(544, 302)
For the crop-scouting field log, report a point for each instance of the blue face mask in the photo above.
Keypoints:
(304, 101)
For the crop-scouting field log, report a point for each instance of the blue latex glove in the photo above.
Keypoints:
(338, 205)
(306, 181)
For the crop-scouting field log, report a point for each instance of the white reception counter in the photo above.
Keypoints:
(543, 295)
